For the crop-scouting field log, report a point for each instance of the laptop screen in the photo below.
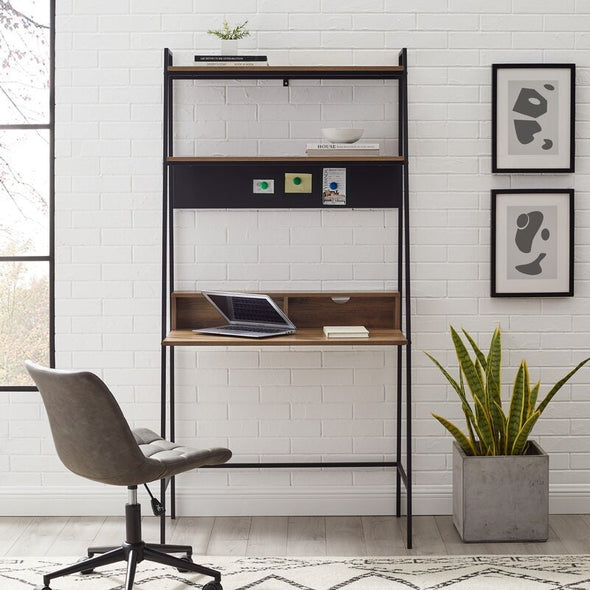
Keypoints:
(247, 309)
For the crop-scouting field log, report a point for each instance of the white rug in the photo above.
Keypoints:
(521, 572)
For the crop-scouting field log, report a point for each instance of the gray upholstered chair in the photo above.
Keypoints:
(93, 439)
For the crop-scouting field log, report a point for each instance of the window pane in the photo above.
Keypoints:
(24, 61)
(24, 192)
(24, 319)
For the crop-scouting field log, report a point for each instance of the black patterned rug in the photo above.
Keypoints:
(517, 572)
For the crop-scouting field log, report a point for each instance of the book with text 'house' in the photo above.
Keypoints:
(342, 149)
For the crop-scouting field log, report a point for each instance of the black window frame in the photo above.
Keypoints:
(50, 257)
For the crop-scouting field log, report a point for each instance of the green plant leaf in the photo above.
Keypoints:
(522, 438)
(559, 385)
(463, 441)
(469, 417)
(483, 427)
(526, 398)
(448, 376)
(493, 397)
(534, 394)
(494, 367)
(468, 367)
(460, 389)
(499, 426)
(478, 353)
(516, 406)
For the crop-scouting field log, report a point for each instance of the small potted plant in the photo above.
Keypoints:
(229, 36)
(500, 476)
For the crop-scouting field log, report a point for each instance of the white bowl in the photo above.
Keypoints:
(342, 134)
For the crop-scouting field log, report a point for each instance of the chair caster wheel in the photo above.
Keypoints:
(214, 585)
(42, 588)
(85, 572)
(186, 558)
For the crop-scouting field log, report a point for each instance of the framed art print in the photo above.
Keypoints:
(532, 242)
(533, 117)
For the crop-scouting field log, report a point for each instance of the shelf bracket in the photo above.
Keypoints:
(285, 82)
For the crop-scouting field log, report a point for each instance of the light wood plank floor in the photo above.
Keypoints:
(280, 536)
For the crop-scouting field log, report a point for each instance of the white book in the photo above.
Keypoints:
(342, 146)
(340, 153)
(346, 332)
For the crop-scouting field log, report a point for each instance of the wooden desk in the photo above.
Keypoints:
(379, 312)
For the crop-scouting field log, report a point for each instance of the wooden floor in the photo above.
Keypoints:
(280, 536)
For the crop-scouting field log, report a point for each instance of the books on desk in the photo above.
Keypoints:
(346, 332)
(231, 60)
(342, 149)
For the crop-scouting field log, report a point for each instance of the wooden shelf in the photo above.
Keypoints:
(303, 337)
(282, 159)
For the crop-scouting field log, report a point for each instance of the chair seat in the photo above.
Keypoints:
(176, 458)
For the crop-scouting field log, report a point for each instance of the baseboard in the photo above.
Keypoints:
(325, 500)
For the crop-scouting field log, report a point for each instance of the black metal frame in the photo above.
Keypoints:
(50, 258)
(572, 107)
(403, 472)
(571, 227)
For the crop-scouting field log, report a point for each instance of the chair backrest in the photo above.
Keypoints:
(91, 435)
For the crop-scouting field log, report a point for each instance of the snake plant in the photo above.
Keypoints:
(490, 431)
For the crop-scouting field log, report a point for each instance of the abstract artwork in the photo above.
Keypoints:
(533, 117)
(532, 242)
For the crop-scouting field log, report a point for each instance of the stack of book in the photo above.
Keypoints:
(346, 332)
(231, 60)
(342, 149)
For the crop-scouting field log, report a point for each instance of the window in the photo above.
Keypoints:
(27, 30)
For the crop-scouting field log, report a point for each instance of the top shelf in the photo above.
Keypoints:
(287, 72)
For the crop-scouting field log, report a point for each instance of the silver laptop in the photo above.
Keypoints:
(248, 315)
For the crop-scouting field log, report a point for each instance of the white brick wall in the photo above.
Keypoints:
(280, 403)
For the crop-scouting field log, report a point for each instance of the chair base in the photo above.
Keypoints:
(134, 553)
(133, 550)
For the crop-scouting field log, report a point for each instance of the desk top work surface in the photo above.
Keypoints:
(303, 337)
(378, 311)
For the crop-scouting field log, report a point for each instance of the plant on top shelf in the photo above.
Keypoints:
(228, 34)
(490, 431)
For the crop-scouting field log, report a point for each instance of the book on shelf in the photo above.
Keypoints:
(233, 59)
(232, 64)
(342, 149)
(227, 64)
(346, 332)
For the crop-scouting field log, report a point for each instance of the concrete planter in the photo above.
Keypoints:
(503, 498)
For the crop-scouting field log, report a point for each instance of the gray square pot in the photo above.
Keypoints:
(504, 498)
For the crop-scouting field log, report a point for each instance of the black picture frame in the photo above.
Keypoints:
(532, 243)
(533, 125)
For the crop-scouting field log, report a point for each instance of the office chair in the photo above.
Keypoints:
(93, 440)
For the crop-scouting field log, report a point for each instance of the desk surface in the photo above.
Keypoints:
(303, 337)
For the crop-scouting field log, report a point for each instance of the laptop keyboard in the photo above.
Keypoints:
(251, 310)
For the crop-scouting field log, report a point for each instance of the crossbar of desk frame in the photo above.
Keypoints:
(302, 464)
